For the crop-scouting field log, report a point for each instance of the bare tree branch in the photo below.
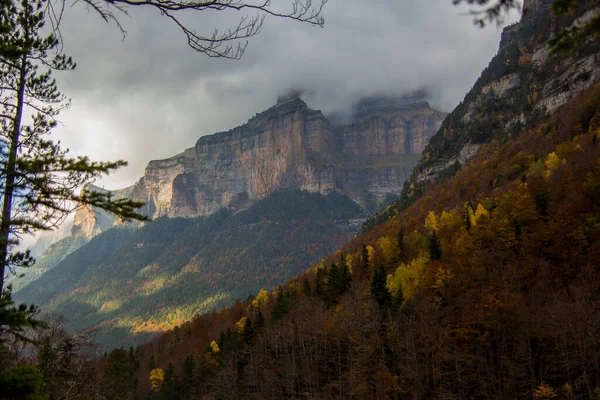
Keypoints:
(228, 43)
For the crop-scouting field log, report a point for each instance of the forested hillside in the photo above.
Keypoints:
(486, 287)
(131, 284)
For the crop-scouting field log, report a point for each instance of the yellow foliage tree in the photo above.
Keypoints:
(407, 276)
(261, 299)
(431, 222)
(552, 163)
(446, 220)
(480, 212)
(157, 377)
(387, 247)
(442, 277)
(214, 347)
(240, 324)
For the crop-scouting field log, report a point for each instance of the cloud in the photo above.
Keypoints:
(150, 96)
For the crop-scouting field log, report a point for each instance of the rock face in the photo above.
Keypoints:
(522, 83)
(291, 146)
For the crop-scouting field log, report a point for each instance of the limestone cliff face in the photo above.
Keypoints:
(290, 146)
(521, 82)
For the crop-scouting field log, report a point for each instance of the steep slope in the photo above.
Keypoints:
(491, 292)
(132, 283)
(522, 83)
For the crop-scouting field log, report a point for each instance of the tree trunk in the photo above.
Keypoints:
(11, 172)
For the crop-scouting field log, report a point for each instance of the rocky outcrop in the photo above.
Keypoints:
(289, 146)
(522, 81)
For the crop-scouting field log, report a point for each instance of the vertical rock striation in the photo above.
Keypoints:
(290, 146)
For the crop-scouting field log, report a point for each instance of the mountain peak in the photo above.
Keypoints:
(371, 105)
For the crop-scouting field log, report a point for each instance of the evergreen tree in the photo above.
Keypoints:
(248, 334)
(345, 275)
(281, 306)
(319, 282)
(169, 373)
(398, 298)
(401, 246)
(334, 284)
(365, 259)
(39, 181)
(260, 319)
(467, 218)
(434, 246)
(379, 291)
(189, 368)
(306, 289)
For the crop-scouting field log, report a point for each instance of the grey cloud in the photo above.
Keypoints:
(150, 96)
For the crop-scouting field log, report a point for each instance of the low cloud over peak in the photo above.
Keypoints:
(150, 96)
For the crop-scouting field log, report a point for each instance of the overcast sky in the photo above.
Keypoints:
(150, 96)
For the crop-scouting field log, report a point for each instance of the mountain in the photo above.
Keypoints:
(521, 84)
(131, 283)
(288, 146)
(484, 286)
(292, 146)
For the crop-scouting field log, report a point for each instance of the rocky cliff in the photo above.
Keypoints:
(288, 146)
(522, 83)
(292, 146)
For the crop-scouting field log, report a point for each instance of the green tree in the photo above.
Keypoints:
(365, 259)
(281, 306)
(169, 373)
(434, 247)
(248, 334)
(39, 182)
(22, 382)
(319, 281)
(189, 366)
(306, 289)
(401, 246)
(379, 290)
(260, 319)
(468, 218)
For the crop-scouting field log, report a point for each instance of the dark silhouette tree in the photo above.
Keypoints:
(434, 247)
(379, 291)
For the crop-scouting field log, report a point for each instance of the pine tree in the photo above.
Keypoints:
(189, 368)
(435, 247)
(365, 259)
(39, 181)
(281, 306)
(345, 275)
(260, 319)
(401, 246)
(248, 334)
(306, 289)
(169, 373)
(319, 282)
(467, 219)
(334, 284)
(379, 291)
